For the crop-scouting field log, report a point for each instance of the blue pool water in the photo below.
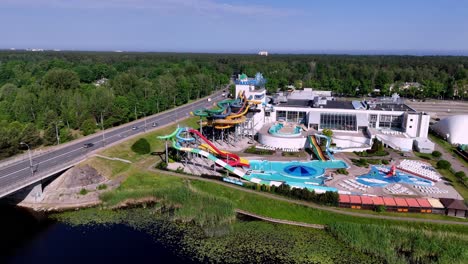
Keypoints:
(275, 130)
(300, 174)
(377, 178)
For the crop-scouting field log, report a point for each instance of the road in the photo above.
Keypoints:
(19, 174)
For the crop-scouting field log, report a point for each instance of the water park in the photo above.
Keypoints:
(247, 139)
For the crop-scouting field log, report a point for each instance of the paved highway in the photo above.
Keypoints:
(18, 174)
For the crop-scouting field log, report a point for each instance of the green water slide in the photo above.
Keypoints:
(221, 108)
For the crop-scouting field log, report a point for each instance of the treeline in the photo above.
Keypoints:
(70, 91)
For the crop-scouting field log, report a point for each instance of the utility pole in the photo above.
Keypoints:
(30, 157)
(144, 118)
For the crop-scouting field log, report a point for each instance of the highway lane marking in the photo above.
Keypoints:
(3, 176)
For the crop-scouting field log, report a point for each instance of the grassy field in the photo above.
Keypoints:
(107, 168)
(123, 150)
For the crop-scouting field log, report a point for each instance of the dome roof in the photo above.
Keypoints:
(453, 128)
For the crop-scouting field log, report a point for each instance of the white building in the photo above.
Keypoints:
(454, 129)
(263, 53)
(355, 123)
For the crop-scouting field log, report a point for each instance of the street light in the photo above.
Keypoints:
(103, 132)
(144, 118)
(56, 131)
(30, 158)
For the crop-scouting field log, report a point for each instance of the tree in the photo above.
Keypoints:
(141, 146)
(88, 126)
(327, 132)
(443, 164)
(60, 79)
(436, 154)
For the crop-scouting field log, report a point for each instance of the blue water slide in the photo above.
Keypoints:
(327, 146)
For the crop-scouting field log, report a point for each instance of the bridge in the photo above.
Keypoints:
(18, 173)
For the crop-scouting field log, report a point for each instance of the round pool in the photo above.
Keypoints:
(280, 130)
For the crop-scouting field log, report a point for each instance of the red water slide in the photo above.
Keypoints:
(234, 159)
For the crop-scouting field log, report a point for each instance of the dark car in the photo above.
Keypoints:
(88, 145)
(134, 128)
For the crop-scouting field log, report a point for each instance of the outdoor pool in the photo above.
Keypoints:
(280, 131)
(299, 174)
(377, 177)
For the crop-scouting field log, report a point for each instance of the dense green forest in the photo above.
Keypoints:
(44, 90)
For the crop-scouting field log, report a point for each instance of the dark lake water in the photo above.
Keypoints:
(33, 238)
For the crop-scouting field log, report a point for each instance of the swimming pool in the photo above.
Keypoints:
(377, 177)
(277, 130)
(299, 174)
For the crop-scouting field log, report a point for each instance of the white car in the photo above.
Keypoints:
(209, 99)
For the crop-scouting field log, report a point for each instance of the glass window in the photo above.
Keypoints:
(336, 121)
(391, 121)
(280, 115)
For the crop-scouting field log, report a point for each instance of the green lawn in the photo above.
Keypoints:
(123, 150)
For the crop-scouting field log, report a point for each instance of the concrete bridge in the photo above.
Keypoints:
(18, 172)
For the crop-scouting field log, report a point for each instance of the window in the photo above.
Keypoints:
(280, 115)
(267, 113)
(410, 126)
(372, 121)
(336, 121)
(411, 120)
(390, 121)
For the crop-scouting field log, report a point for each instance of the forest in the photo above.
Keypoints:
(71, 93)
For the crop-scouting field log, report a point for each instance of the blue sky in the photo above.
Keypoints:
(236, 26)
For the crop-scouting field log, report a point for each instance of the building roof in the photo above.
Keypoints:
(435, 203)
(366, 200)
(377, 200)
(453, 128)
(401, 202)
(423, 203)
(344, 198)
(355, 199)
(453, 204)
(389, 201)
(412, 202)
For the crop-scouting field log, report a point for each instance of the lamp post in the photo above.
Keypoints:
(103, 131)
(57, 132)
(144, 118)
(30, 158)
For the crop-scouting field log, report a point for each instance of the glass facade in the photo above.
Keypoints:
(390, 121)
(337, 121)
(291, 116)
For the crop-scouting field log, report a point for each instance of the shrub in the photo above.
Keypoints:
(101, 187)
(161, 165)
(436, 154)
(342, 171)
(460, 175)
(380, 208)
(83, 191)
(141, 146)
(443, 164)
(385, 162)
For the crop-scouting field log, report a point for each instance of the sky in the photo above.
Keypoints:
(242, 26)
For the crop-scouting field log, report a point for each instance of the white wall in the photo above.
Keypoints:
(278, 142)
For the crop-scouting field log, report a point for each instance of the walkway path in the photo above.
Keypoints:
(279, 221)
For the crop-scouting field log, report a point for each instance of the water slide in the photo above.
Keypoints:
(225, 154)
(316, 148)
(176, 139)
(231, 158)
(327, 146)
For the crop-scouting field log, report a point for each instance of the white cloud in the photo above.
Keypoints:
(200, 6)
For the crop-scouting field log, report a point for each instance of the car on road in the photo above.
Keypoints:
(155, 124)
(88, 145)
(134, 127)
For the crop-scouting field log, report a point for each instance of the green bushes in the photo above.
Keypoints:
(327, 198)
(101, 187)
(436, 154)
(161, 165)
(380, 208)
(342, 171)
(385, 162)
(83, 191)
(141, 146)
(443, 164)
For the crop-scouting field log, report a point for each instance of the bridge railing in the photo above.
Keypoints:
(29, 180)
